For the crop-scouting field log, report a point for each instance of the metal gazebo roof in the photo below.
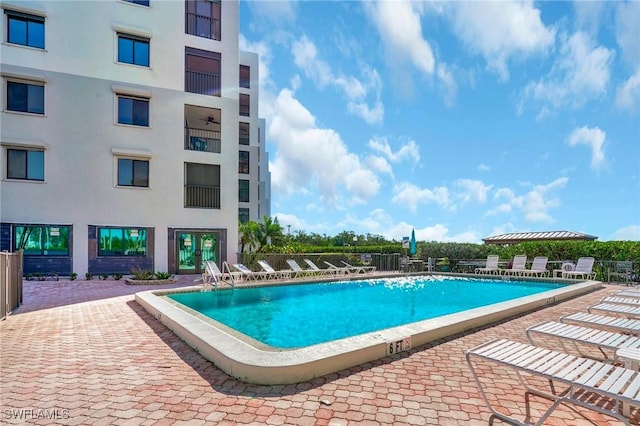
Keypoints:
(519, 237)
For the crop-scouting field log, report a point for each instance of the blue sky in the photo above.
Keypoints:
(459, 119)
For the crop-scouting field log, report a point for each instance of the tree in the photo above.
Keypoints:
(269, 232)
(248, 231)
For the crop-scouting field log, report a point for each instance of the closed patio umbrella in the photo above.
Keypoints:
(412, 246)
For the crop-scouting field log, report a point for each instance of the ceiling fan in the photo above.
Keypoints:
(210, 120)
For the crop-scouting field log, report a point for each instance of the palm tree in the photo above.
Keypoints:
(248, 232)
(269, 232)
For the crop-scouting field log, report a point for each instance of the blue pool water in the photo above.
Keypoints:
(291, 316)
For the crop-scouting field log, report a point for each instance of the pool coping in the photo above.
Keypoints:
(251, 364)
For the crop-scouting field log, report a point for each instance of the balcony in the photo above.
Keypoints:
(202, 83)
(202, 140)
(202, 196)
(202, 26)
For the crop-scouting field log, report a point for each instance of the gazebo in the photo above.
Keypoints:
(520, 237)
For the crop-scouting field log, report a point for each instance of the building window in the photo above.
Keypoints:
(244, 105)
(42, 240)
(202, 186)
(243, 132)
(139, 2)
(243, 215)
(133, 50)
(25, 29)
(202, 72)
(25, 97)
(202, 18)
(25, 164)
(133, 111)
(122, 242)
(245, 76)
(243, 191)
(243, 164)
(133, 172)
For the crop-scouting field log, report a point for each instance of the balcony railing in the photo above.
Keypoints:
(202, 26)
(202, 196)
(202, 82)
(202, 140)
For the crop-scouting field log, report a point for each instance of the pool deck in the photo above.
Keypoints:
(85, 353)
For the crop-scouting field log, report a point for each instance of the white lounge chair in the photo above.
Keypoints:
(623, 271)
(584, 269)
(628, 311)
(614, 384)
(338, 269)
(538, 267)
(627, 293)
(491, 266)
(212, 273)
(319, 270)
(247, 274)
(518, 266)
(358, 269)
(619, 324)
(271, 273)
(578, 335)
(634, 301)
(297, 270)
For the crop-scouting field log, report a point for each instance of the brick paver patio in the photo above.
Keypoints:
(85, 353)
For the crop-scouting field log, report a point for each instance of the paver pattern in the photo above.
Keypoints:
(85, 353)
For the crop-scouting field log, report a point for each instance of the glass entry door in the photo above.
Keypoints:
(195, 248)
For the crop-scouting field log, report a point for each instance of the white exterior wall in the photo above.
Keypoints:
(264, 173)
(251, 60)
(79, 130)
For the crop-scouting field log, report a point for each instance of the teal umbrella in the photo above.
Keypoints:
(412, 247)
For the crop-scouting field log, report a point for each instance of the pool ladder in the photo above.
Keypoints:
(225, 265)
(216, 280)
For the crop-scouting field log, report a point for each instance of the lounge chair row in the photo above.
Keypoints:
(241, 272)
(589, 378)
(583, 269)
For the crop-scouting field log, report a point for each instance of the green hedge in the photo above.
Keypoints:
(605, 252)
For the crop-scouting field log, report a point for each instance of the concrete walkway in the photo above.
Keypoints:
(85, 353)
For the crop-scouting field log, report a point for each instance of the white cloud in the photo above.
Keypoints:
(408, 151)
(379, 164)
(473, 190)
(501, 30)
(410, 196)
(628, 94)
(628, 32)
(279, 13)
(315, 157)
(358, 93)
(628, 233)
(581, 73)
(449, 85)
(594, 138)
(398, 23)
(484, 168)
(535, 204)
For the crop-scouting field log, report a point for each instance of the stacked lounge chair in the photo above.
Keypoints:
(601, 380)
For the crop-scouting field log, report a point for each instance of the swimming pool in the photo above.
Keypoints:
(290, 316)
(251, 361)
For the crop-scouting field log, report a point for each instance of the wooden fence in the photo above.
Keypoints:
(11, 268)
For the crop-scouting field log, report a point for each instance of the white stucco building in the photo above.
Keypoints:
(129, 133)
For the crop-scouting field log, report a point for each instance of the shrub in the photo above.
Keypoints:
(73, 276)
(88, 276)
(162, 275)
(117, 276)
(142, 274)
